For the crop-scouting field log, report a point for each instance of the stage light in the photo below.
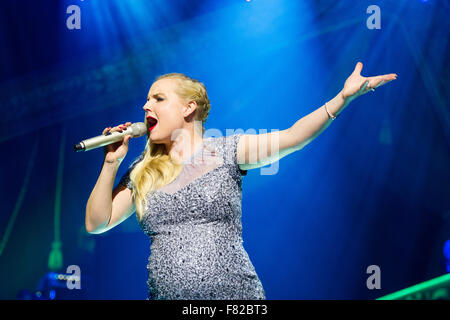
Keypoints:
(446, 249)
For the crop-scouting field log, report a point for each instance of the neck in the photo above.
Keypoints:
(185, 145)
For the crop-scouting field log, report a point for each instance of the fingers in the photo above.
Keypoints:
(391, 76)
(364, 86)
(127, 139)
(123, 127)
(119, 128)
(386, 77)
(379, 81)
(376, 82)
(358, 68)
(379, 84)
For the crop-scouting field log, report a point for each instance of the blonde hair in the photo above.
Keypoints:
(157, 168)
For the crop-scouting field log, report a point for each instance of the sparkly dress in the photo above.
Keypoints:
(195, 228)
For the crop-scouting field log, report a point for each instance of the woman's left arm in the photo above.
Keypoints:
(254, 151)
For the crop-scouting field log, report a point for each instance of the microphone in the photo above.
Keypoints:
(137, 129)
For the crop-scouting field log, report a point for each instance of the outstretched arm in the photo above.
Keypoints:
(254, 151)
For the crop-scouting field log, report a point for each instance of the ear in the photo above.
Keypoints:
(189, 108)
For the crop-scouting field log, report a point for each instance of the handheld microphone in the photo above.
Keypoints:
(137, 129)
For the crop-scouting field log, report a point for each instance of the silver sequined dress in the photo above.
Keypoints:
(195, 228)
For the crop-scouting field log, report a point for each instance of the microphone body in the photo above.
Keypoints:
(137, 129)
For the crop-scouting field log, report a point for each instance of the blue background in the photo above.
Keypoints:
(372, 189)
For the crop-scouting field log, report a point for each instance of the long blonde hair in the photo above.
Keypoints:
(157, 168)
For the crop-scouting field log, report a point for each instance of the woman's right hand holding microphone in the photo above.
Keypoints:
(117, 151)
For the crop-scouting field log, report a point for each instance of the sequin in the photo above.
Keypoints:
(195, 228)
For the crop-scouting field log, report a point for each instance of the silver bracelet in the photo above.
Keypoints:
(330, 116)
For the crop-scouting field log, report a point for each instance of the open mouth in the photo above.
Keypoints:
(151, 122)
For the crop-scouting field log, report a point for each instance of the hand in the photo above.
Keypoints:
(116, 152)
(357, 85)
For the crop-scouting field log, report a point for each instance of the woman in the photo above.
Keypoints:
(186, 189)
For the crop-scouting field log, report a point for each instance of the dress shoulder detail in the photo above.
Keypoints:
(125, 179)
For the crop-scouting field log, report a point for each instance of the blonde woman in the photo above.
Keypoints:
(186, 188)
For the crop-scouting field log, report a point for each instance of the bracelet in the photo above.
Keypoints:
(330, 116)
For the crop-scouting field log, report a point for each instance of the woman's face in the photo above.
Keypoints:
(165, 106)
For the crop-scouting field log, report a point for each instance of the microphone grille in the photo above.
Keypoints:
(138, 129)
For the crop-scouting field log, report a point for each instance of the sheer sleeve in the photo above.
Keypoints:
(125, 179)
(231, 143)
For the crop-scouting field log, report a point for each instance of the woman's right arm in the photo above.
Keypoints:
(106, 207)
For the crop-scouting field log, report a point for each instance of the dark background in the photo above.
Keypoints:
(372, 189)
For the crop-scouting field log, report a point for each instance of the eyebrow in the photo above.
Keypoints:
(157, 94)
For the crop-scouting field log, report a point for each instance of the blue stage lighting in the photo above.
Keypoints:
(446, 249)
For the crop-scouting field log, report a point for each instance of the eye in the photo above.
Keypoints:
(159, 99)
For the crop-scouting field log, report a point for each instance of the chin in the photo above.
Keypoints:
(155, 138)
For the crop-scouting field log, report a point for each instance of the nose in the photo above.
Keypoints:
(147, 107)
